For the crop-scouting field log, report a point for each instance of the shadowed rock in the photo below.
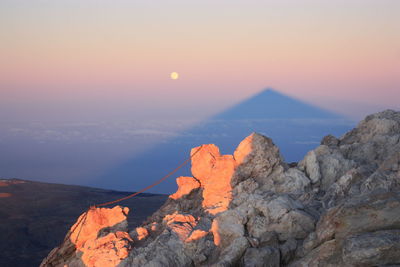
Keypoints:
(339, 206)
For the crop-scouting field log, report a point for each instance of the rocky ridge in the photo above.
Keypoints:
(34, 216)
(339, 206)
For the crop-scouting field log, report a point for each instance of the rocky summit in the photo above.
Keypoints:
(339, 206)
(34, 216)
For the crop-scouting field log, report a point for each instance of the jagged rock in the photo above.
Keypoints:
(227, 227)
(214, 171)
(140, 233)
(377, 248)
(322, 256)
(311, 166)
(98, 238)
(292, 181)
(256, 228)
(287, 218)
(374, 126)
(263, 257)
(97, 222)
(332, 165)
(288, 250)
(185, 186)
(258, 158)
(268, 239)
(362, 214)
(339, 206)
(330, 140)
(386, 177)
(180, 224)
(341, 188)
(107, 250)
(232, 254)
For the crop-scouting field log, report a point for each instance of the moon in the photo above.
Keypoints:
(174, 75)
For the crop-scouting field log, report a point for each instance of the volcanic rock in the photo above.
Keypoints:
(339, 206)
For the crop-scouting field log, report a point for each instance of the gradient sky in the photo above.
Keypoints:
(94, 59)
(85, 84)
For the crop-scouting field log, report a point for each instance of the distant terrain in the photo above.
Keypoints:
(35, 216)
(338, 206)
(122, 154)
(295, 126)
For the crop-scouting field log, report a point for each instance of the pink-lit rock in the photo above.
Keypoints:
(185, 186)
(106, 251)
(142, 233)
(180, 224)
(196, 235)
(214, 173)
(95, 249)
(96, 219)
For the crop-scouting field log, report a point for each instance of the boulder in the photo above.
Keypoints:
(375, 248)
(262, 257)
(339, 206)
(185, 186)
(98, 238)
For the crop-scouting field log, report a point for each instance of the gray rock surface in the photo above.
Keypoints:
(261, 257)
(374, 248)
(340, 206)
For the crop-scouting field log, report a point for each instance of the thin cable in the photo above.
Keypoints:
(152, 185)
(83, 218)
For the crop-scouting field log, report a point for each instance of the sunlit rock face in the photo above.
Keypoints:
(106, 251)
(214, 171)
(339, 206)
(96, 220)
(98, 238)
(216, 174)
(185, 186)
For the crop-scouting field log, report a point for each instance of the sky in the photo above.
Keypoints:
(90, 60)
(79, 80)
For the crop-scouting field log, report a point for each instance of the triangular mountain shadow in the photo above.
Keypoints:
(271, 104)
(296, 127)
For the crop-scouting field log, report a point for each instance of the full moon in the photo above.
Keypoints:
(174, 75)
